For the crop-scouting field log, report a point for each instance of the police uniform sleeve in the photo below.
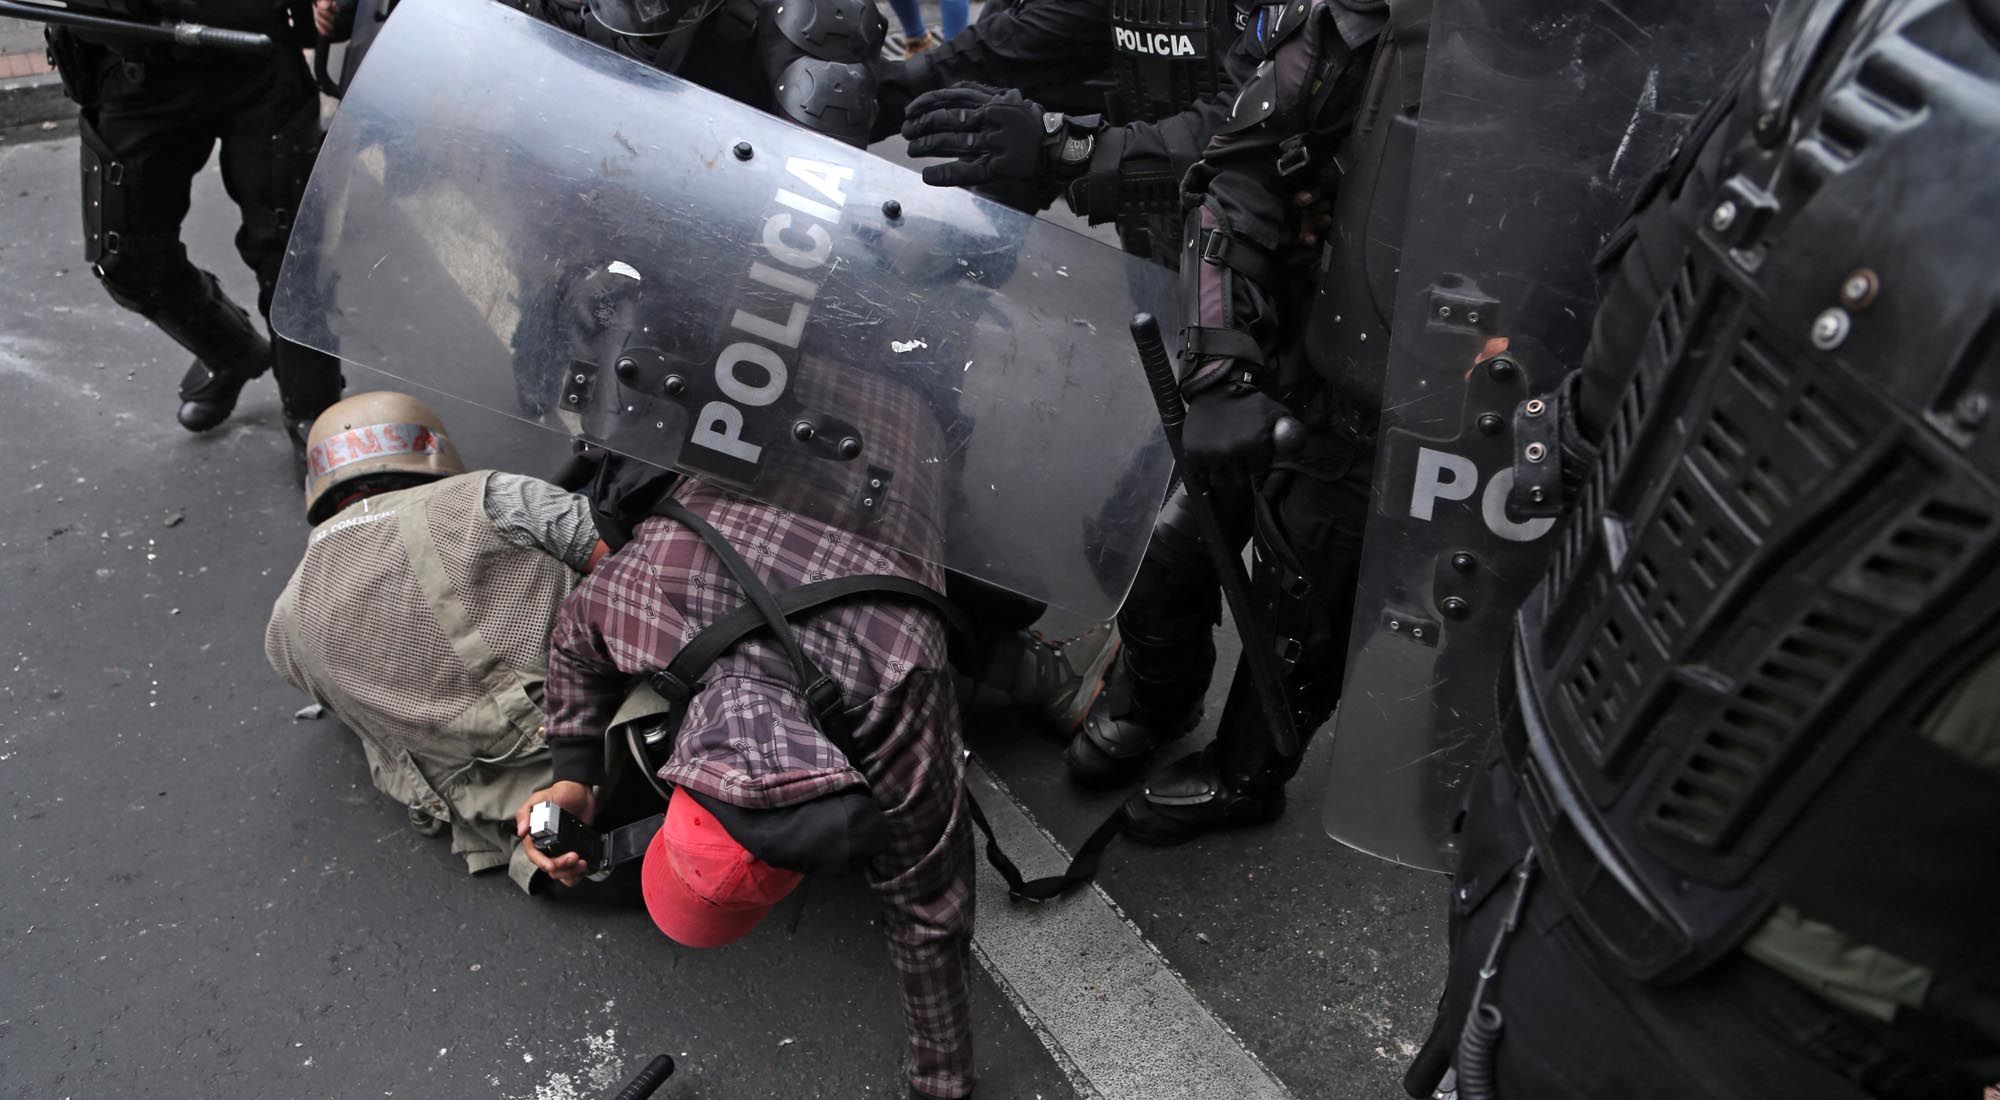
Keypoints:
(1137, 168)
(535, 515)
(1299, 71)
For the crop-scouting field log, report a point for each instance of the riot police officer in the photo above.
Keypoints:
(1170, 92)
(1241, 264)
(150, 115)
(1736, 836)
(1319, 87)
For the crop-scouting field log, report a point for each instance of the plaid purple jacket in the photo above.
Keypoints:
(747, 738)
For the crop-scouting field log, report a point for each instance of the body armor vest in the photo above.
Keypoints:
(1168, 54)
(1789, 548)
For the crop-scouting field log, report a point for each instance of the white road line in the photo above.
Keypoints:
(1116, 1017)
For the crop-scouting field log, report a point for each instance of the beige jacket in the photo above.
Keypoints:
(423, 625)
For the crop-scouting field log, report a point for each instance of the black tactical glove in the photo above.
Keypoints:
(995, 135)
(1228, 435)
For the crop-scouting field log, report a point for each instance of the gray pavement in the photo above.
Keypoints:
(206, 897)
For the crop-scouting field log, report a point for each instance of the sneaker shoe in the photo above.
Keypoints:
(901, 47)
(1061, 678)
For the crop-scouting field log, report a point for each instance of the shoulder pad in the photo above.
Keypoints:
(1273, 23)
(847, 31)
(1256, 101)
(833, 98)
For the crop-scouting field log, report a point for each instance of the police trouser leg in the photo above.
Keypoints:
(1573, 1027)
(267, 156)
(1309, 526)
(137, 171)
(1167, 626)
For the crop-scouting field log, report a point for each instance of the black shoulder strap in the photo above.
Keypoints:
(1082, 866)
(678, 682)
(822, 693)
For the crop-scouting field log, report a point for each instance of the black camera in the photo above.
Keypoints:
(554, 831)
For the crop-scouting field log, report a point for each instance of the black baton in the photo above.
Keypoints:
(649, 1080)
(178, 34)
(1260, 650)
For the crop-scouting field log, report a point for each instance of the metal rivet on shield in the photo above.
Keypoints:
(1455, 606)
(1858, 289)
(1971, 410)
(1416, 632)
(1537, 494)
(1767, 120)
(850, 447)
(1472, 317)
(1394, 625)
(874, 483)
(628, 369)
(1723, 217)
(1463, 562)
(803, 431)
(579, 379)
(1501, 367)
(1490, 423)
(868, 502)
(1444, 312)
(1535, 452)
(1829, 329)
(1535, 407)
(674, 385)
(743, 150)
(891, 209)
(573, 399)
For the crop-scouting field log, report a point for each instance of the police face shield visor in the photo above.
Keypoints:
(650, 18)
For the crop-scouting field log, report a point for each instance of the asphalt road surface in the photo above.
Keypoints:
(204, 897)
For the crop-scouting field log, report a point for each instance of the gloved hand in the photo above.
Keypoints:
(994, 134)
(1228, 432)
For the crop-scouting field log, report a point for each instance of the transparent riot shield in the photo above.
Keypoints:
(1540, 121)
(512, 216)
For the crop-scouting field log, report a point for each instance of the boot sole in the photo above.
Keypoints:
(1095, 674)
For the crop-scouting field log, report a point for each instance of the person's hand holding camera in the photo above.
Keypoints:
(575, 798)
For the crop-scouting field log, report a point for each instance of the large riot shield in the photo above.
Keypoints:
(1540, 121)
(512, 216)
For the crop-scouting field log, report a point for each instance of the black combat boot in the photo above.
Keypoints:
(1239, 779)
(1193, 795)
(308, 382)
(229, 349)
(1119, 736)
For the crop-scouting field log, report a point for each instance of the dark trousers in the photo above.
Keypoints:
(1306, 519)
(1574, 1028)
(151, 118)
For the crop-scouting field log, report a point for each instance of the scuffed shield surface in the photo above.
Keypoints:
(509, 215)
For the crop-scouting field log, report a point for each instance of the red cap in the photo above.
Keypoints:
(702, 888)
